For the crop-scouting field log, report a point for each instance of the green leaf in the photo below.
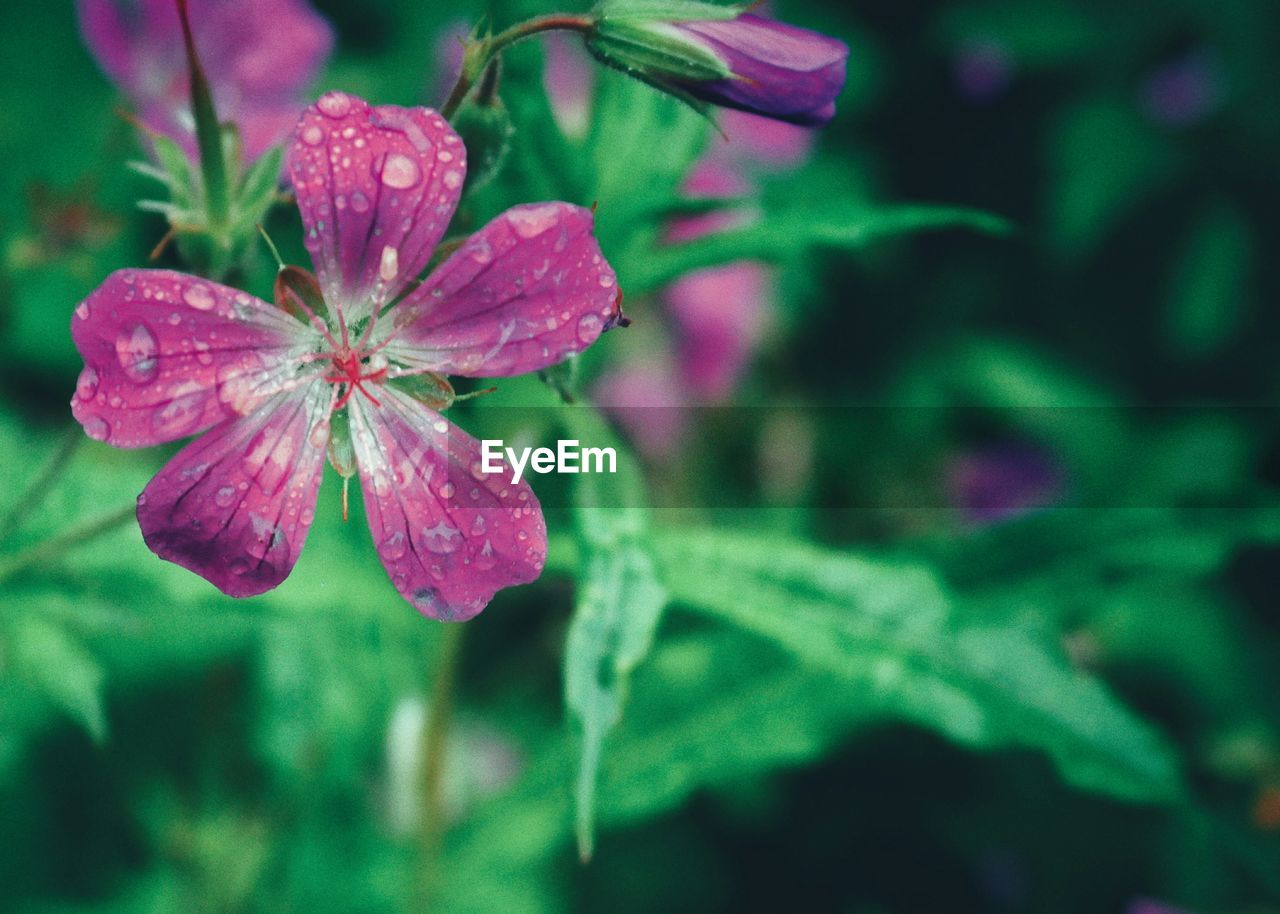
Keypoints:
(890, 632)
(784, 232)
(619, 602)
(61, 670)
(1212, 284)
(1104, 161)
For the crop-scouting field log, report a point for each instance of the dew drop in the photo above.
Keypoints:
(481, 251)
(225, 496)
(137, 350)
(477, 525)
(441, 539)
(393, 547)
(452, 179)
(589, 327)
(312, 135)
(606, 281)
(334, 104)
(82, 310)
(87, 383)
(359, 202)
(200, 297)
(181, 413)
(532, 221)
(400, 171)
(96, 427)
(390, 264)
(447, 490)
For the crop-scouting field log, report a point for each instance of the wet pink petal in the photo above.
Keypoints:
(168, 355)
(449, 535)
(235, 505)
(377, 188)
(720, 315)
(524, 292)
(259, 56)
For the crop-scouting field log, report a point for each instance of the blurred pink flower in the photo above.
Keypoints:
(644, 399)
(569, 77)
(169, 355)
(719, 317)
(258, 55)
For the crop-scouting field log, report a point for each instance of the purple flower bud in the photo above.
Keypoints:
(778, 70)
(1186, 91)
(982, 70)
(715, 55)
(1003, 482)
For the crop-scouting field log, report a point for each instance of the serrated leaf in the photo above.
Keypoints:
(619, 601)
(897, 640)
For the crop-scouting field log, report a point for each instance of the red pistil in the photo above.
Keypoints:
(350, 371)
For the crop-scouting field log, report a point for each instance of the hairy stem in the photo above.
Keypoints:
(479, 56)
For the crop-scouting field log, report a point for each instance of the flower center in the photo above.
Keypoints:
(354, 370)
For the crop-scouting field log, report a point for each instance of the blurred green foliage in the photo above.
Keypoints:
(764, 706)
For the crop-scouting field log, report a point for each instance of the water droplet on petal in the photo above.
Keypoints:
(87, 383)
(334, 104)
(225, 496)
(137, 349)
(400, 171)
(394, 547)
(589, 327)
(532, 221)
(606, 281)
(312, 135)
(180, 415)
(390, 264)
(481, 252)
(82, 310)
(96, 427)
(200, 297)
(452, 179)
(441, 539)
(359, 202)
(447, 490)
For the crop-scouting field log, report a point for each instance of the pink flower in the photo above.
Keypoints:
(168, 355)
(259, 57)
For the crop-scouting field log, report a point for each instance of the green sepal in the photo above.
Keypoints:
(342, 455)
(293, 284)
(668, 10)
(655, 51)
(432, 390)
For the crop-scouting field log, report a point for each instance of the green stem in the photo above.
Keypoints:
(35, 493)
(53, 548)
(435, 747)
(484, 52)
(213, 166)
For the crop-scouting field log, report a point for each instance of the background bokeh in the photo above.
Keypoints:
(972, 566)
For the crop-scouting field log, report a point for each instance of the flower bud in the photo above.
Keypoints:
(710, 54)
